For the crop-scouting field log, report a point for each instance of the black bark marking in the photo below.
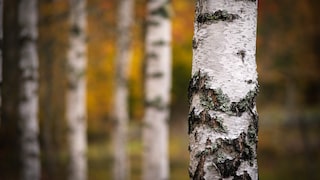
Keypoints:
(228, 167)
(75, 30)
(199, 173)
(249, 81)
(204, 118)
(244, 176)
(155, 75)
(242, 54)
(156, 103)
(194, 43)
(152, 55)
(152, 23)
(159, 43)
(216, 100)
(220, 15)
(196, 84)
(245, 104)
(237, 148)
(162, 11)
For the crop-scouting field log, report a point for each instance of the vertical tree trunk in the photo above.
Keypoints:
(76, 91)
(223, 121)
(28, 105)
(124, 36)
(157, 89)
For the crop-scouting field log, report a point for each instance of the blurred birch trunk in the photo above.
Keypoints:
(157, 90)
(121, 113)
(28, 105)
(76, 91)
(223, 120)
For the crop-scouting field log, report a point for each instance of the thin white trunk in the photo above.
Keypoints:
(123, 50)
(223, 120)
(76, 91)
(28, 105)
(157, 89)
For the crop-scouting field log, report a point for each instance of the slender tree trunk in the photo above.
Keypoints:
(223, 121)
(157, 89)
(28, 106)
(123, 50)
(76, 91)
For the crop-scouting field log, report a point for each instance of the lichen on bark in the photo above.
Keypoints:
(219, 15)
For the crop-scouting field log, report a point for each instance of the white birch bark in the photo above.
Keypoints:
(121, 113)
(28, 105)
(157, 90)
(223, 121)
(76, 91)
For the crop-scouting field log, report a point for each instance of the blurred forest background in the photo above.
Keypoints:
(288, 59)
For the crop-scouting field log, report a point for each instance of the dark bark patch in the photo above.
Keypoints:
(75, 30)
(152, 56)
(194, 43)
(228, 154)
(152, 23)
(242, 54)
(159, 43)
(245, 104)
(204, 118)
(156, 103)
(199, 173)
(228, 167)
(196, 84)
(156, 75)
(215, 99)
(163, 11)
(244, 176)
(220, 15)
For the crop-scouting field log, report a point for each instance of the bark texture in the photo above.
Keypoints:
(28, 105)
(223, 121)
(157, 90)
(123, 50)
(76, 91)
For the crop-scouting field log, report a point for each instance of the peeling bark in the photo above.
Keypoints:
(28, 98)
(223, 120)
(157, 89)
(76, 91)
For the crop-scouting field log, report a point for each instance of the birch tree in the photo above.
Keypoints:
(28, 105)
(157, 90)
(76, 91)
(123, 50)
(223, 120)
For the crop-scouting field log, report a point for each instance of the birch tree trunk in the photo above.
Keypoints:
(28, 105)
(223, 121)
(76, 91)
(123, 50)
(157, 90)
